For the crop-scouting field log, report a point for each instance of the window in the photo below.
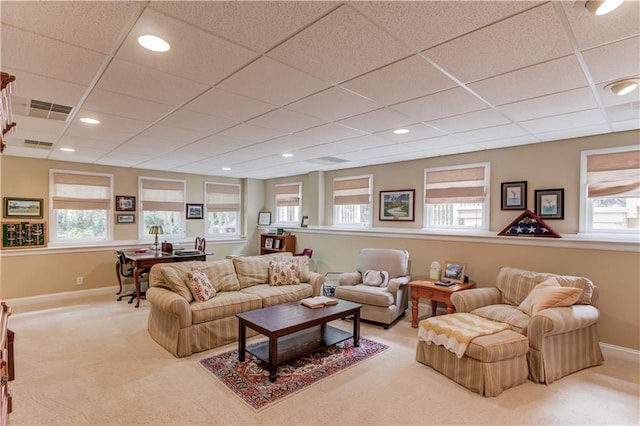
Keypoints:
(80, 206)
(352, 201)
(610, 195)
(222, 209)
(456, 197)
(288, 203)
(162, 203)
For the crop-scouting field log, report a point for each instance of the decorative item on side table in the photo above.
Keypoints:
(434, 270)
(550, 203)
(22, 208)
(156, 230)
(264, 218)
(454, 272)
(125, 203)
(195, 211)
(514, 195)
(397, 205)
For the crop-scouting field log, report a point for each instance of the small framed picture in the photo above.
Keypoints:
(195, 211)
(264, 218)
(125, 203)
(454, 271)
(23, 208)
(277, 243)
(550, 203)
(514, 195)
(305, 222)
(125, 218)
(268, 243)
(397, 205)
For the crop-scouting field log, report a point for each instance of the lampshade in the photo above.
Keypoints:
(602, 7)
(156, 230)
(623, 87)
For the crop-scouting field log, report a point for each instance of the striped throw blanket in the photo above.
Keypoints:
(456, 331)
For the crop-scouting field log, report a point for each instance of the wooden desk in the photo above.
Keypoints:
(437, 293)
(143, 261)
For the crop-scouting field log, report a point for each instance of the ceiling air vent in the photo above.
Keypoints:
(37, 144)
(325, 161)
(42, 109)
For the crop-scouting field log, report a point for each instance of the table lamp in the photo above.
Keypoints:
(156, 230)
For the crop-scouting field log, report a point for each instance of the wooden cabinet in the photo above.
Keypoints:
(5, 397)
(272, 243)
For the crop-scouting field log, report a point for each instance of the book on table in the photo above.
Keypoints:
(318, 302)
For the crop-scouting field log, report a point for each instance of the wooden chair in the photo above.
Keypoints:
(124, 269)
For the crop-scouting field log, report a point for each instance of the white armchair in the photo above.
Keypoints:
(380, 303)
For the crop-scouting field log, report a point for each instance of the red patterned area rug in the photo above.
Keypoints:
(249, 380)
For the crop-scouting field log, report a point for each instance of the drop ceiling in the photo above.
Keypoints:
(245, 82)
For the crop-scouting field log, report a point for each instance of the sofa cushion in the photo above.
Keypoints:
(375, 278)
(365, 294)
(200, 286)
(252, 270)
(549, 294)
(284, 272)
(224, 305)
(303, 267)
(174, 278)
(275, 295)
(517, 320)
(221, 274)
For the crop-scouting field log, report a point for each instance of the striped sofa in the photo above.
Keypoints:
(562, 340)
(184, 326)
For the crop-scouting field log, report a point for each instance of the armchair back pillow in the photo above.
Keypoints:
(375, 278)
(549, 294)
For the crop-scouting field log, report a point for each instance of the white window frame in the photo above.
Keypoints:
(143, 234)
(206, 211)
(586, 208)
(367, 224)
(289, 223)
(485, 205)
(53, 225)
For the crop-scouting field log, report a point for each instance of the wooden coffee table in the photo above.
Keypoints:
(294, 331)
(437, 293)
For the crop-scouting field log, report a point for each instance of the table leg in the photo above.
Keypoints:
(414, 310)
(273, 358)
(118, 276)
(242, 344)
(356, 328)
(450, 308)
(434, 308)
(136, 281)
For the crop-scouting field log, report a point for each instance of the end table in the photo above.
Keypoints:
(437, 293)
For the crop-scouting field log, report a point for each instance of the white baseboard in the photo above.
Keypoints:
(619, 352)
(67, 295)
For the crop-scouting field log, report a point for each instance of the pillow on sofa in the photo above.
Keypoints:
(284, 272)
(375, 278)
(174, 276)
(549, 294)
(200, 285)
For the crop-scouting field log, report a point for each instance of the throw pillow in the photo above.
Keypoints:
(200, 285)
(284, 272)
(549, 294)
(376, 278)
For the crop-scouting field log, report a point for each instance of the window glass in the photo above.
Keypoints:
(222, 209)
(352, 201)
(456, 197)
(162, 203)
(288, 203)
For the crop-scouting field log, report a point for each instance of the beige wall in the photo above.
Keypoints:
(548, 165)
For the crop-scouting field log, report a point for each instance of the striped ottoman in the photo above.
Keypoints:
(489, 365)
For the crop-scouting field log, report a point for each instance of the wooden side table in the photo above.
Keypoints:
(437, 293)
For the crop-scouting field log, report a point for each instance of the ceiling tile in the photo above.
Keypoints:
(181, 137)
(330, 132)
(416, 131)
(442, 104)
(125, 106)
(191, 120)
(614, 61)
(289, 143)
(470, 121)
(376, 121)
(32, 86)
(251, 133)
(503, 143)
(544, 106)
(344, 45)
(564, 122)
(492, 133)
(286, 121)
(333, 104)
(228, 105)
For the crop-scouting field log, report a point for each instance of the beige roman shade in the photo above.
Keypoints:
(614, 175)
(77, 191)
(463, 185)
(352, 191)
(162, 195)
(222, 197)
(288, 195)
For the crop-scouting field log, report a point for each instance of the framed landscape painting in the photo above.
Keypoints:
(397, 205)
(23, 208)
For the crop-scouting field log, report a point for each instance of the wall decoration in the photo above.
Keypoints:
(397, 205)
(24, 234)
(454, 271)
(22, 208)
(195, 211)
(528, 225)
(125, 218)
(514, 195)
(264, 218)
(125, 203)
(305, 222)
(550, 203)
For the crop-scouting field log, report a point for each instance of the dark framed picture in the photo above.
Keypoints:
(550, 203)
(195, 211)
(514, 195)
(454, 271)
(305, 222)
(125, 218)
(264, 218)
(397, 205)
(125, 203)
(22, 208)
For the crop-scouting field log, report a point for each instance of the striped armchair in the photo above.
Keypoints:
(562, 340)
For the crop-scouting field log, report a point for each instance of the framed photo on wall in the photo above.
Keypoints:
(514, 195)
(397, 205)
(125, 218)
(264, 218)
(22, 208)
(550, 203)
(195, 211)
(125, 203)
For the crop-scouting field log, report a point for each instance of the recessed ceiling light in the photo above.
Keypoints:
(67, 149)
(602, 7)
(401, 131)
(623, 87)
(226, 169)
(287, 155)
(153, 43)
(89, 120)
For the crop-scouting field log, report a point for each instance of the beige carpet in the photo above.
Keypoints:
(92, 361)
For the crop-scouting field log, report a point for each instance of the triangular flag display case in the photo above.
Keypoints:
(528, 225)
